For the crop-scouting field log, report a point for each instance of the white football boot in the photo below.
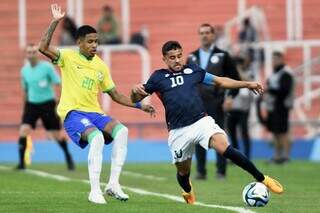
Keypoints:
(115, 191)
(97, 197)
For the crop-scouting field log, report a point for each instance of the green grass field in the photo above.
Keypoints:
(26, 192)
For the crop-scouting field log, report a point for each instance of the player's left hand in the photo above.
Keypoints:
(57, 13)
(149, 109)
(256, 88)
(139, 89)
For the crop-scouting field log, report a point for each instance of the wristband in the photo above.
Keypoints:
(138, 105)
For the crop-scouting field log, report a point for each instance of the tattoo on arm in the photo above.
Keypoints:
(46, 39)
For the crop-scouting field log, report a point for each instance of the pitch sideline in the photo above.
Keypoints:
(134, 190)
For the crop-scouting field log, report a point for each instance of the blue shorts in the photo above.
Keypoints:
(77, 122)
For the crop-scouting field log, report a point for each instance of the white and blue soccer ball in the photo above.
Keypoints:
(256, 194)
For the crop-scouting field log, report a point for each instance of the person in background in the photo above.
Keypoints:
(279, 102)
(108, 27)
(217, 62)
(221, 39)
(68, 32)
(239, 107)
(38, 78)
(140, 38)
(248, 33)
(247, 36)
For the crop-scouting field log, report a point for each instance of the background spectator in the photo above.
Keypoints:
(279, 101)
(217, 62)
(239, 107)
(248, 33)
(108, 27)
(141, 37)
(221, 39)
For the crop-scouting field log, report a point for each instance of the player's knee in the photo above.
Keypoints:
(25, 130)
(119, 129)
(183, 168)
(219, 142)
(125, 129)
(183, 172)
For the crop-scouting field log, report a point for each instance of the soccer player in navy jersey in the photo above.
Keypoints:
(187, 121)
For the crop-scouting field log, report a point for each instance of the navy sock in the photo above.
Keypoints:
(64, 146)
(184, 182)
(242, 161)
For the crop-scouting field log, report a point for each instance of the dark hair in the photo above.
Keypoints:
(246, 21)
(207, 25)
(84, 30)
(278, 54)
(107, 8)
(170, 45)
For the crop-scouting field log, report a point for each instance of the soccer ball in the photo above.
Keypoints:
(256, 194)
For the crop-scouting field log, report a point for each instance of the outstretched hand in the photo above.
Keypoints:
(149, 109)
(256, 88)
(57, 14)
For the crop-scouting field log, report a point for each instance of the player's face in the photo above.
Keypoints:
(88, 45)
(174, 59)
(206, 36)
(31, 53)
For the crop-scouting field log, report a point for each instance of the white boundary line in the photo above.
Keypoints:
(135, 190)
(139, 175)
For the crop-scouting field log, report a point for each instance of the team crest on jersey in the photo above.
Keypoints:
(187, 71)
(193, 58)
(100, 76)
(214, 59)
(85, 122)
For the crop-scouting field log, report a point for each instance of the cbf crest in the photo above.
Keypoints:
(100, 76)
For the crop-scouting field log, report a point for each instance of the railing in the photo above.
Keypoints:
(258, 19)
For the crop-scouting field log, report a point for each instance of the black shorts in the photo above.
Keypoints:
(45, 111)
(278, 121)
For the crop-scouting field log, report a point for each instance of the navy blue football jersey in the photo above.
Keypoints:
(179, 94)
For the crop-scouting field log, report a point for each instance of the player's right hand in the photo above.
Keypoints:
(139, 89)
(57, 14)
(149, 109)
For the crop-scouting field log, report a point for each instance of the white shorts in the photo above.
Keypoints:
(182, 141)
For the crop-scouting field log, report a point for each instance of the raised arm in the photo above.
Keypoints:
(44, 46)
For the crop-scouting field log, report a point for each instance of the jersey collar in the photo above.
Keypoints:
(84, 57)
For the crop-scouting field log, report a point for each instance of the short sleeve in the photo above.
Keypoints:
(201, 73)
(63, 54)
(23, 81)
(107, 83)
(53, 75)
(208, 79)
(150, 87)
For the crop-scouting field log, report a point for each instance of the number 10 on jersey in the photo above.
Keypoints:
(175, 81)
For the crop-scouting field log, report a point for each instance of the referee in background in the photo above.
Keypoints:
(219, 63)
(38, 78)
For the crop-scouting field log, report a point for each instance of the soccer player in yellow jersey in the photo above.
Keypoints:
(84, 74)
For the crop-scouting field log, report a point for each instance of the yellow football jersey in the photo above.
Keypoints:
(82, 79)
